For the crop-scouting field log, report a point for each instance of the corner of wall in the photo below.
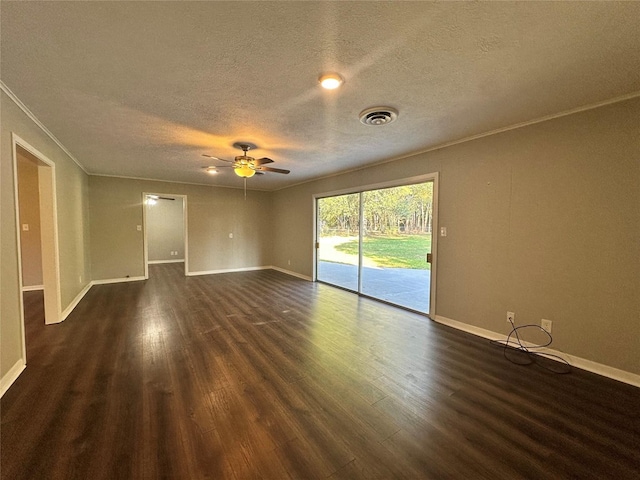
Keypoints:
(11, 376)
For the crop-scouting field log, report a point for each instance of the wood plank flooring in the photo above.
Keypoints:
(262, 375)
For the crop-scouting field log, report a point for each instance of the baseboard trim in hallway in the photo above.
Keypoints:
(11, 376)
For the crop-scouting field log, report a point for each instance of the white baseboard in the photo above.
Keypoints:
(293, 274)
(75, 301)
(11, 376)
(249, 269)
(157, 262)
(226, 270)
(117, 280)
(32, 288)
(578, 362)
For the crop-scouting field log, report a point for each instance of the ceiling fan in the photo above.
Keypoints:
(153, 199)
(245, 166)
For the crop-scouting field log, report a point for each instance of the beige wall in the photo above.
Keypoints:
(212, 214)
(29, 201)
(165, 230)
(73, 234)
(542, 220)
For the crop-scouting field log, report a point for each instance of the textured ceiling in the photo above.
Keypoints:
(143, 89)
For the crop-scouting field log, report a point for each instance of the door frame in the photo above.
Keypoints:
(145, 238)
(48, 234)
(429, 177)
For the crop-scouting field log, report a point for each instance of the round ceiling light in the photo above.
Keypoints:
(378, 115)
(331, 81)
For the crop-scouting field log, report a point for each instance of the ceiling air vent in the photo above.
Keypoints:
(378, 115)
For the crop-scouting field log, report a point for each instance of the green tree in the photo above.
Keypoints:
(388, 211)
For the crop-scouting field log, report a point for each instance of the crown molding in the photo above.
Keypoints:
(175, 182)
(564, 113)
(34, 119)
(622, 98)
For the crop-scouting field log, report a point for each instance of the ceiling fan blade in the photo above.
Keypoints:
(217, 158)
(262, 161)
(275, 170)
(217, 166)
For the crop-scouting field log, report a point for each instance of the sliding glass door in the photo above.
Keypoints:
(338, 233)
(396, 241)
(378, 243)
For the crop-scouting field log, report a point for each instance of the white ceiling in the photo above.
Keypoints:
(142, 89)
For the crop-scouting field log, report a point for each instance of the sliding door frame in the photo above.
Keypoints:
(429, 177)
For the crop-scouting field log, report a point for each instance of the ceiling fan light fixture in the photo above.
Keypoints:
(243, 165)
(331, 81)
(244, 171)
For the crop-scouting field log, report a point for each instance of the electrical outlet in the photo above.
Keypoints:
(511, 317)
(546, 325)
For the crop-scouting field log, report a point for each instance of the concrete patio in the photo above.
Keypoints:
(402, 286)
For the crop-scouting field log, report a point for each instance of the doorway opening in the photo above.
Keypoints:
(165, 230)
(379, 242)
(37, 236)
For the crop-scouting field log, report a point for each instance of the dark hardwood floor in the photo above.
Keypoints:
(261, 375)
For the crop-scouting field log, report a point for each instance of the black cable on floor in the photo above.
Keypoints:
(517, 352)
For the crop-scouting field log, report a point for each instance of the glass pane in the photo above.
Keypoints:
(338, 230)
(396, 241)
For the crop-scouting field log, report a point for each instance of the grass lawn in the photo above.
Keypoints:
(401, 251)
